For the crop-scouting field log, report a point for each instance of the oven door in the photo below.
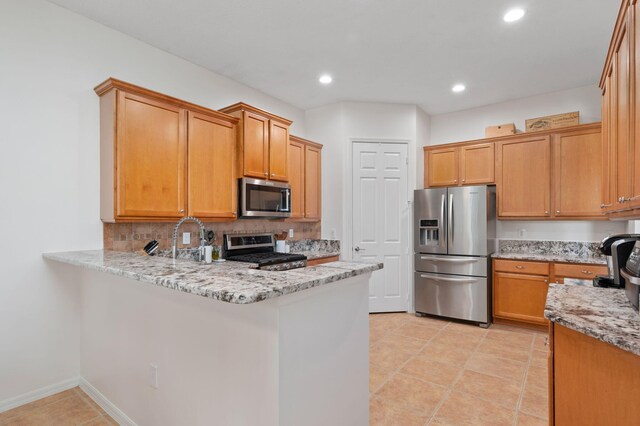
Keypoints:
(262, 198)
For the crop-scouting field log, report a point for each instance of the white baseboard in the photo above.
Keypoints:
(115, 413)
(28, 397)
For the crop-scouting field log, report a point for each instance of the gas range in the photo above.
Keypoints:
(260, 249)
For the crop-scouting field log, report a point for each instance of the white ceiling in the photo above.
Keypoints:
(402, 51)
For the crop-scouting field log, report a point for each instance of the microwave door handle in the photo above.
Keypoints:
(287, 195)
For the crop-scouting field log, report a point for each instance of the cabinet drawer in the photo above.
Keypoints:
(581, 271)
(521, 266)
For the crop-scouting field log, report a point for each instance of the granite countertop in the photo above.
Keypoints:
(602, 313)
(566, 258)
(232, 282)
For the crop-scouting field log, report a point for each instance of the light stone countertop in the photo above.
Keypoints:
(565, 258)
(232, 282)
(602, 313)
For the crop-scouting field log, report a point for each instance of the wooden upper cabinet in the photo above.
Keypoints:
(278, 151)
(313, 182)
(608, 138)
(255, 146)
(441, 167)
(263, 143)
(296, 178)
(523, 177)
(477, 164)
(577, 173)
(211, 167)
(162, 158)
(622, 101)
(305, 177)
(150, 158)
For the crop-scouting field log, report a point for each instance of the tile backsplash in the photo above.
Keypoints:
(134, 236)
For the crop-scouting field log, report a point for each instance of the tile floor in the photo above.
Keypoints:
(425, 371)
(71, 407)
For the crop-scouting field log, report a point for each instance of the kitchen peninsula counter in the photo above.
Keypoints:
(256, 347)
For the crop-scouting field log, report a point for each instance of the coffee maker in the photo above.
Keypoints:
(631, 276)
(617, 249)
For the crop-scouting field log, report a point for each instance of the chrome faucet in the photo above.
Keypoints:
(174, 249)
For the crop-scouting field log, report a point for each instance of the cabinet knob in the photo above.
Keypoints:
(235, 213)
(546, 212)
(602, 206)
(455, 180)
(519, 267)
(587, 272)
(463, 180)
(557, 211)
(182, 211)
(266, 174)
(546, 281)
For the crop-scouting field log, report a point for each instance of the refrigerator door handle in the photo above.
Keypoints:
(447, 259)
(442, 216)
(453, 280)
(451, 224)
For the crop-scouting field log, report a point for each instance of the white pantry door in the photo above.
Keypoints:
(380, 220)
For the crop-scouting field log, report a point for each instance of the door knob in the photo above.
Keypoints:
(358, 249)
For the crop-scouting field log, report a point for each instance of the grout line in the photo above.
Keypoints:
(84, 397)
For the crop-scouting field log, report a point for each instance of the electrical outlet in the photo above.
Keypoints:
(154, 376)
(522, 233)
(333, 234)
(290, 232)
(186, 238)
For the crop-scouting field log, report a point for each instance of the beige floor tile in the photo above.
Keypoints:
(410, 329)
(527, 420)
(91, 402)
(535, 402)
(432, 371)
(387, 358)
(539, 358)
(428, 321)
(36, 404)
(410, 394)
(521, 340)
(384, 413)
(101, 421)
(513, 328)
(447, 353)
(402, 343)
(466, 329)
(502, 391)
(538, 377)
(462, 409)
(540, 342)
(457, 340)
(503, 350)
(377, 377)
(69, 411)
(501, 367)
(377, 333)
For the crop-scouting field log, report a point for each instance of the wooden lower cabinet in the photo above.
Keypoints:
(520, 287)
(591, 382)
(320, 261)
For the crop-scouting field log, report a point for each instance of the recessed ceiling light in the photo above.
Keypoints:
(325, 79)
(513, 15)
(458, 88)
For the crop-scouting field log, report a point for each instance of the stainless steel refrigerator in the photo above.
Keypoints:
(454, 237)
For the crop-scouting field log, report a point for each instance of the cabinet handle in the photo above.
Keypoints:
(182, 211)
(602, 206)
(557, 211)
(546, 281)
(587, 272)
(546, 212)
(519, 267)
(266, 174)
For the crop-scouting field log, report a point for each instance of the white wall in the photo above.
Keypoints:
(583, 230)
(49, 169)
(470, 124)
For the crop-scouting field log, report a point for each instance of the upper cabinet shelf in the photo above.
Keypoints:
(263, 143)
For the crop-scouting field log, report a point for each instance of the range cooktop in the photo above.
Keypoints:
(259, 249)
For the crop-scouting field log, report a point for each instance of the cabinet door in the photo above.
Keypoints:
(255, 145)
(296, 178)
(523, 181)
(278, 151)
(622, 100)
(212, 178)
(477, 164)
(608, 139)
(520, 297)
(441, 167)
(634, 23)
(150, 158)
(577, 174)
(313, 183)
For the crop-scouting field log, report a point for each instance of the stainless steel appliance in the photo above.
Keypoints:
(259, 249)
(614, 247)
(631, 275)
(454, 236)
(264, 198)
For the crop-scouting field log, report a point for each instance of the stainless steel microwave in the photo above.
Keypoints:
(264, 198)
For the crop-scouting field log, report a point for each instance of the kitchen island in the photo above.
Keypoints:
(594, 362)
(169, 342)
